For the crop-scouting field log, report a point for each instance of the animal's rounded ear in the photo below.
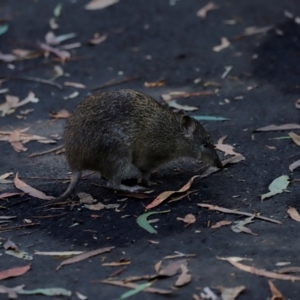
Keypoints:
(187, 125)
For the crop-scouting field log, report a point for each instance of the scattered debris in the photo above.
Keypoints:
(188, 219)
(224, 44)
(99, 4)
(231, 293)
(240, 226)
(293, 213)
(294, 165)
(202, 12)
(277, 186)
(221, 224)
(278, 127)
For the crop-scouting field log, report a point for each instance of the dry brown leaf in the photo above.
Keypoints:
(58, 253)
(294, 165)
(227, 149)
(86, 198)
(289, 270)
(75, 84)
(231, 293)
(295, 137)
(220, 224)
(184, 278)
(62, 114)
(224, 44)
(188, 219)
(256, 30)
(122, 262)
(259, 272)
(236, 212)
(278, 127)
(99, 4)
(179, 254)
(276, 294)
(293, 214)
(21, 185)
(14, 272)
(158, 83)
(232, 160)
(84, 256)
(297, 103)
(157, 266)
(134, 285)
(165, 195)
(15, 141)
(62, 54)
(172, 268)
(202, 12)
(98, 39)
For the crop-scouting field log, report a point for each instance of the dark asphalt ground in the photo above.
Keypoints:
(156, 40)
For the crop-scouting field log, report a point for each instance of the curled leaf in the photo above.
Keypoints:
(143, 222)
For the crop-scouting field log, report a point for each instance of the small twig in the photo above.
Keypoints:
(46, 217)
(46, 152)
(17, 227)
(40, 80)
(115, 82)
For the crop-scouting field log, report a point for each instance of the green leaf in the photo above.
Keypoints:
(46, 292)
(57, 10)
(277, 186)
(3, 28)
(143, 222)
(210, 118)
(136, 290)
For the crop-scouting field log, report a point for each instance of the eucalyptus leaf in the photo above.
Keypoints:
(143, 222)
(57, 10)
(136, 290)
(277, 186)
(3, 28)
(210, 118)
(46, 292)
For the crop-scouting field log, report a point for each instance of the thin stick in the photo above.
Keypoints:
(18, 226)
(115, 82)
(40, 80)
(46, 152)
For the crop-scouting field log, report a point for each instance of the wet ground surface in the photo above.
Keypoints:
(152, 41)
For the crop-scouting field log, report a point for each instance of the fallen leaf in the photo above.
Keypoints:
(293, 214)
(7, 195)
(19, 254)
(122, 262)
(52, 23)
(98, 39)
(178, 95)
(220, 224)
(3, 28)
(58, 253)
(11, 291)
(289, 270)
(87, 199)
(21, 185)
(259, 272)
(202, 12)
(10, 245)
(255, 30)
(62, 114)
(52, 39)
(165, 195)
(295, 137)
(278, 127)
(294, 165)
(7, 57)
(282, 263)
(188, 219)
(210, 118)
(232, 160)
(134, 285)
(99, 4)
(276, 294)
(80, 296)
(236, 212)
(231, 293)
(176, 105)
(157, 83)
(209, 294)
(277, 186)
(57, 10)
(224, 44)
(157, 266)
(71, 96)
(143, 222)
(84, 256)
(46, 292)
(7, 217)
(240, 226)
(139, 288)
(15, 141)
(172, 268)
(100, 206)
(227, 149)
(62, 54)
(184, 278)
(14, 272)
(75, 84)
(297, 103)
(179, 254)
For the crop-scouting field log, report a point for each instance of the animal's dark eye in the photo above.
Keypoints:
(205, 145)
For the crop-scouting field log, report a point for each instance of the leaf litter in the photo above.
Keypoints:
(14, 272)
(240, 226)
(293, 213)
(276, 294)
(188, 219)
(231, 293)
(278, 127)
(277, 186)
(202, 12)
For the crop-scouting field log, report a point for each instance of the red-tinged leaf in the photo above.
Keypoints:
(84, 256)
(294, 165)
(14, 272)
(21, 185)
(278, 127)
(165, 195)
